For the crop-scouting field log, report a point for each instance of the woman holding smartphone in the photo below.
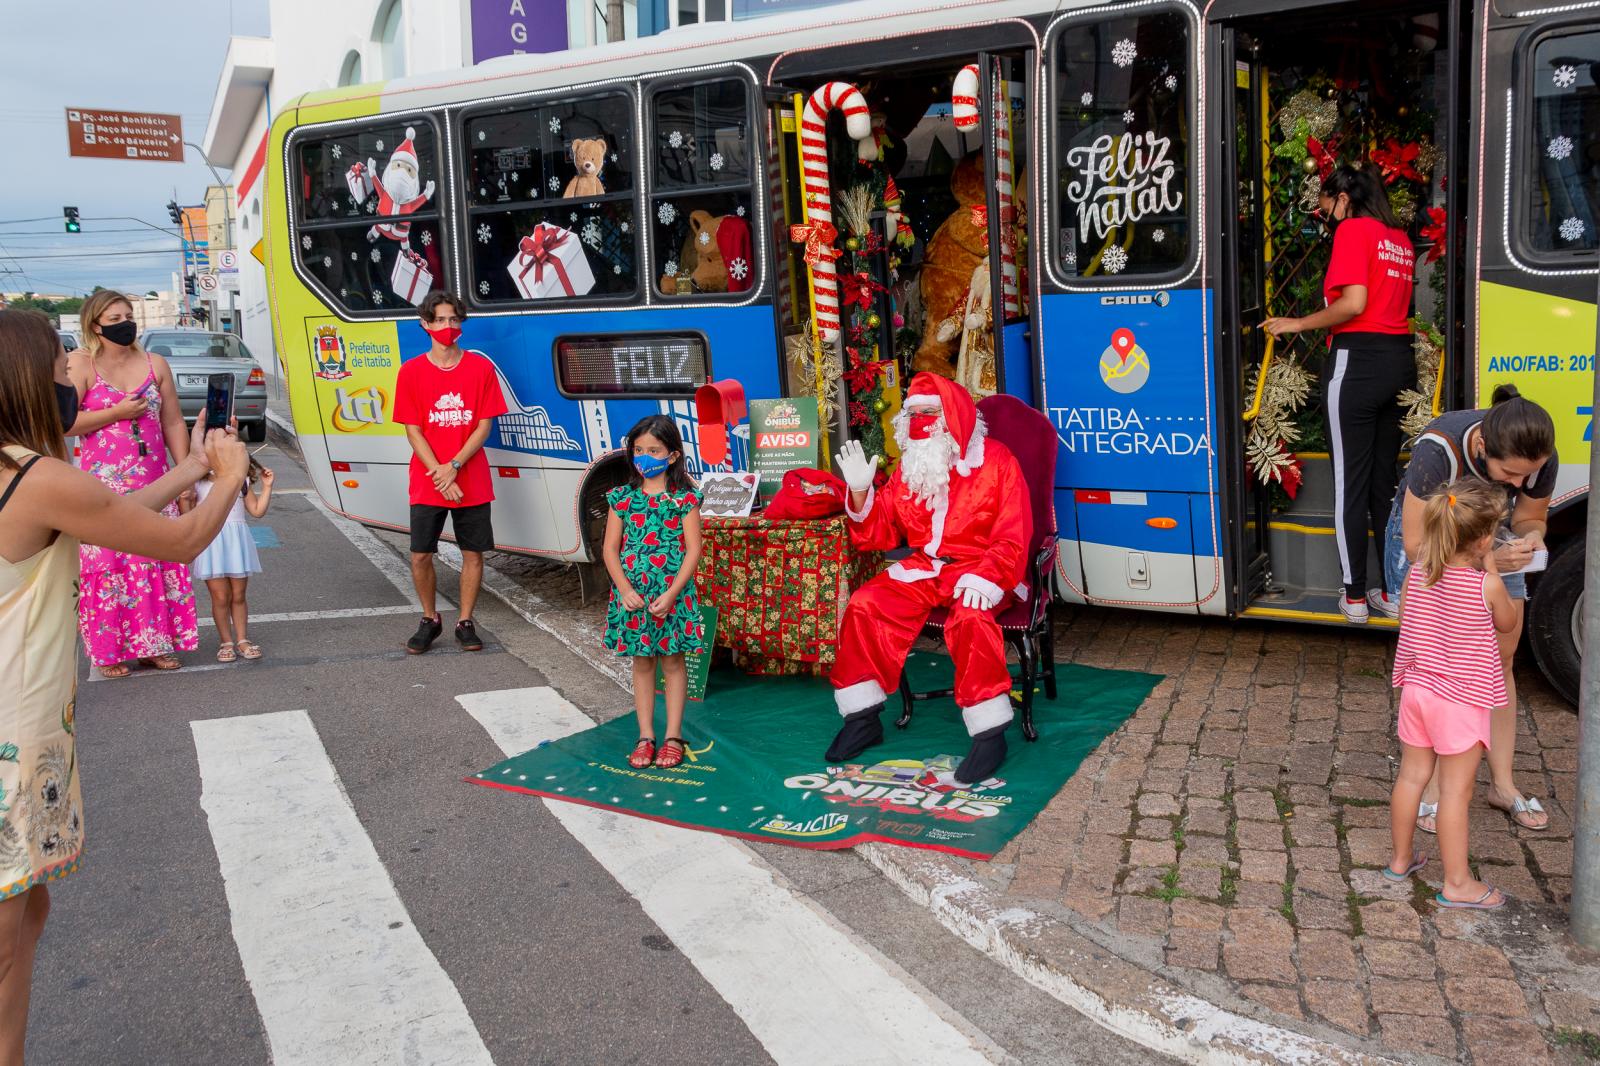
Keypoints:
(130, 607)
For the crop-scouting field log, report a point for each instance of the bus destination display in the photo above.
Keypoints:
(672, 364)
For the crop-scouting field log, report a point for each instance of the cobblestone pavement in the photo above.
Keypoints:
(1230, 837)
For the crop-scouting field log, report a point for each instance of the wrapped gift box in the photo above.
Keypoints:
(411, 279)
(550, 262)
(358, 181)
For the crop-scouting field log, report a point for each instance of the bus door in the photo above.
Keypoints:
(1124, 316)
(1534, 303)
(1004, 113)
(1306, 87)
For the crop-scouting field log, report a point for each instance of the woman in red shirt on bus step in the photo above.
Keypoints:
(1368, 293)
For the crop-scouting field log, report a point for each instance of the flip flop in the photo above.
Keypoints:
(1521, 807)
(161, 662)
(1428, 810)
(1475, 905)
(1418, 861)
(114, 671)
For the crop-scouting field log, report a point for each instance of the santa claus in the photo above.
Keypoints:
(960, 500)
(400, 190)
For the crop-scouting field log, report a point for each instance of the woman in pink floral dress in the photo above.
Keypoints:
(129, 607)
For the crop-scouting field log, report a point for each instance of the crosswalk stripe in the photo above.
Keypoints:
(322, 616)
(338, 971)
(802, 986)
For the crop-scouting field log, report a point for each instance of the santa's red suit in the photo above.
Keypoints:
(973, 535)
(412, 196)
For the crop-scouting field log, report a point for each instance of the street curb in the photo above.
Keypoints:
(1119, 995)
(282, 423)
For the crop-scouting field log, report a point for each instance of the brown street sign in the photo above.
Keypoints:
(124, 135)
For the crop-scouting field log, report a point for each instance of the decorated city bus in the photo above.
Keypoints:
(1092, 207)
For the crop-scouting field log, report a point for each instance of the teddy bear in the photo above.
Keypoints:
(956, 248)
(589, 156)
(716, 255)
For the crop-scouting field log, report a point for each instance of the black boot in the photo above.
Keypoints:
(860, 731)
(988, 751)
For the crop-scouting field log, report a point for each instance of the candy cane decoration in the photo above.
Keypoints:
(819, 197)
(1001, 110)
(964, 98)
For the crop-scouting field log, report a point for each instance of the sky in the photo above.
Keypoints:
(155, 55)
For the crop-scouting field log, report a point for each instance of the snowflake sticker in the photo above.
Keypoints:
(482, 192)
(375, 255)
(591, 234)
(1070, 257)
(671, 268)
(1571, 229)
(305, 242)
(617, 269)
(705, 237)
(1159, 235)
(554, 183)
(426, 237)
(483, 135)
(625, 227)
(1128, 116)
(483, 288)
(484, 233)
(377, 297)
(514, 177)
(1086, 99)
(1565, 76)
(354, 257)
(1114, 259)
(716, 160)
(1123, 53)
(380, 146)
(574, 218)
(613, 157)
(344, 293)
(739, 210)
(738, 269)
(338, 150)
(675, 139)
(555, 125)
(1171, 82)
(327, 262)
(1559, 147)
(665, 213)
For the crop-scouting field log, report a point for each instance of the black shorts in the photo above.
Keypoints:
(470, 525)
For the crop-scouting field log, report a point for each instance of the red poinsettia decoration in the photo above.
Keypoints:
(862, 373)
(858, 414)
(1435, 231)
(1398, 161)
(1290, 477)
(857, 289)
(1323, 153)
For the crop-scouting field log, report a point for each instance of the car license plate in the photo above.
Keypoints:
(194, 381)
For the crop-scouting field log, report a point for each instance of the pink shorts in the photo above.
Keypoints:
(1428, 720)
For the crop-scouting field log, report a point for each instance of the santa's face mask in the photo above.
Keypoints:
(400, 178)
(921, 426)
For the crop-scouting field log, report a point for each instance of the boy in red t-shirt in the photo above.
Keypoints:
(447, 400)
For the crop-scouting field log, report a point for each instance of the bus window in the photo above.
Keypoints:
(1121, 196)
(367, 215)
(550, 209)
(700, 189)
(1563, 195)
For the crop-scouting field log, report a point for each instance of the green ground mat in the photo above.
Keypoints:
(755, 767)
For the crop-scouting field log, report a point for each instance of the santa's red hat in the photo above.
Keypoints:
(961, 418)
(733, 240)
(406, 152)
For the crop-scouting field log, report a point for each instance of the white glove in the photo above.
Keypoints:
(857, 469)
(977, 599)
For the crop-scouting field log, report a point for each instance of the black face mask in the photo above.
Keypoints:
(122, 333)
(66, 404)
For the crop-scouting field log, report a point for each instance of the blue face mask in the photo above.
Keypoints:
(649, 465)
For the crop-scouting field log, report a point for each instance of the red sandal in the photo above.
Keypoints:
(644, 753)
(671, 753)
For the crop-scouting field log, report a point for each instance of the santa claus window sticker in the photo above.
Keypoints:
(700, 202)
(1122, 197)
(550, 203)
(367, 219)
(1564, 196)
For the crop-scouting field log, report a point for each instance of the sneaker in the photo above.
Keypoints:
(1354, 611)
(427, 632)
(467, 636)
(1383, 603)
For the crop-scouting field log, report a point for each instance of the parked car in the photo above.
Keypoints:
(196, 354)
(69, 340)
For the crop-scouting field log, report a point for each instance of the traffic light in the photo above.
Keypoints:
(188, 284)
(175, 212)
(71, 215)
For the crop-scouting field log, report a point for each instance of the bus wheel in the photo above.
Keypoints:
(1555, 619)
(592, 576)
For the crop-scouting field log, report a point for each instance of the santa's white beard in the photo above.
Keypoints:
(925, 467)
(400, 181)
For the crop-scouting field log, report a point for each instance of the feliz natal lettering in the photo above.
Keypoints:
(1121, 179)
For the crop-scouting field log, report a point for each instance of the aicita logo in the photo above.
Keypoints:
(1124, 367)
(820, 826)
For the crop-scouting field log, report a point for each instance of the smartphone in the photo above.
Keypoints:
(219, 401)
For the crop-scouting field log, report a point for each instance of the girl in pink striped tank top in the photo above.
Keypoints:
(1447, 668)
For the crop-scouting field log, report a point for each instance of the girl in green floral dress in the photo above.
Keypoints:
(652, 548)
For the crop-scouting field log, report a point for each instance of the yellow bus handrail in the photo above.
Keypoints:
(1261, 380)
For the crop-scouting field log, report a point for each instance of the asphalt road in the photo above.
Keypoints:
(285, 865)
